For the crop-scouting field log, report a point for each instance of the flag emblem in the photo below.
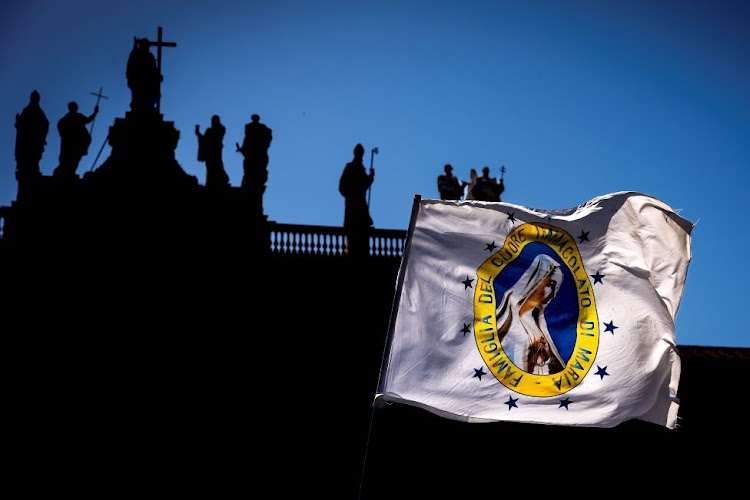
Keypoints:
(535, 319)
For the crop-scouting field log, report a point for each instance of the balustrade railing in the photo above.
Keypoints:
(329, 241)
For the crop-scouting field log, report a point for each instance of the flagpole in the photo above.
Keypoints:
(397, 294)
(387, 348)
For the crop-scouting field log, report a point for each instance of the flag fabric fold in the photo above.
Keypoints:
(564, 317)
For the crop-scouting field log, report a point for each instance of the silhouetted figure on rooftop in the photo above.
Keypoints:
(143, 76)
(210, 145)
(254, 148)
(487, 188)
(143, 143)
(449, 187)
(74, 140)
(31, 137)
(473, 182)
(353, 186)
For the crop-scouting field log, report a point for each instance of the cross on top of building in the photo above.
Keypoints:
(159, 43)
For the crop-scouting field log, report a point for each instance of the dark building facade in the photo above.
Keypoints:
(179, 336)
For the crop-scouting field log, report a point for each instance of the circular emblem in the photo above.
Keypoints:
(535, 320)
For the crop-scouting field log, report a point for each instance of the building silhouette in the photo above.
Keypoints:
(154, 325)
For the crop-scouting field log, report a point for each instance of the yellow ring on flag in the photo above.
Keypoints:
(485, 327)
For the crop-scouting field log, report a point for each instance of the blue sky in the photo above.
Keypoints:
(576, 98)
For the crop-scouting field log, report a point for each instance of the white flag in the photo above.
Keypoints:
(565, 317)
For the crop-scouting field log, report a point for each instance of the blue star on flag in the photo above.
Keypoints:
(584, 236)
(564, 403)
(467, 282)
(465, 329)
(511, 403)
(597, 277)
(491, 246)
(478, 373)
(610, 327)
(602, 372)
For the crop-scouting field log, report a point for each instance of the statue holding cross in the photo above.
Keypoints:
(144, 74)
(142, 137)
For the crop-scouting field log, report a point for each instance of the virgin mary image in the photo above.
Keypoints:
(521, 327)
